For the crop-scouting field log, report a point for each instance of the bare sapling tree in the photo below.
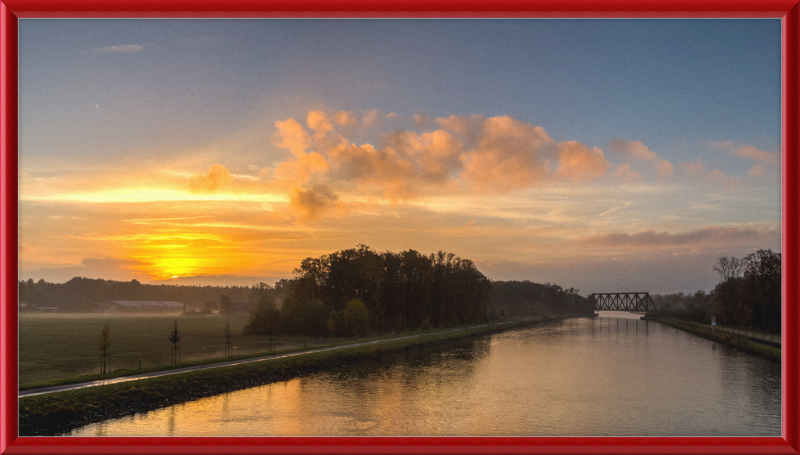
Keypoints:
(729, 268)
(174, 338)
(227, 335)
(104, 343)
(331, 326)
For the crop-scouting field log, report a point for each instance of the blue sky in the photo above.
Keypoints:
(108, 106)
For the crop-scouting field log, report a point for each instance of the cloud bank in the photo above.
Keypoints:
(326, 170)
(453, 155)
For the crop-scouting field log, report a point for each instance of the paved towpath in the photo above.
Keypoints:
(771, 337)
(83, 385)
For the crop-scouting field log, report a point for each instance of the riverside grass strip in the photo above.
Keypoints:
(167, 367)
(57, 413)
(293, 343)
(733, 340)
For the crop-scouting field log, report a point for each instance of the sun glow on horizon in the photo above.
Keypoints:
(147, 194)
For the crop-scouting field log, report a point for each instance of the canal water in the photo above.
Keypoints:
(606, 376)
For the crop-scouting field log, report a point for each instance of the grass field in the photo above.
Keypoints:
(58, 346)
(735, 340)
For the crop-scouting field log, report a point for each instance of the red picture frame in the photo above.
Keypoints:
(787, 10)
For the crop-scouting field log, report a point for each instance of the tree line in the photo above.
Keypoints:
(359, 289)
(85, 294)
(747, 296)
(526, 298)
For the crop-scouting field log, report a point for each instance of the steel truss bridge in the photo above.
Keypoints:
(622, 301)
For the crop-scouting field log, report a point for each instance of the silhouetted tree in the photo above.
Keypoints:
(356, 317)
(749, 295)
(304, 317)
(331, 326)
(174, 338)
(528, 298)
(763, 276)
(265, 319)
(104, 343)
(227, 335)
(398, 290)
(729, 268)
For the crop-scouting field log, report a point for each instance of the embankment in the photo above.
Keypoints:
(734, 340)
(59, 412)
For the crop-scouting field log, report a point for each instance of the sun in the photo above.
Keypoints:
(171, 255)
(176, 266)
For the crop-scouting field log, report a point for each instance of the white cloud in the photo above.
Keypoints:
(120, 48)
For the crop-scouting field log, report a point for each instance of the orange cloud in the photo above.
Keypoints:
(758, 155)
(382, 169)
(319, 122)
(291, 136)
(370, 117)
(464, 154)
(504, 154)
(693, 168)
(302, 168)
(436, 154)
(697, 168)
(664, 170)
(469, 127)
(632, 149)
(345, 118)
(706, 236)
(747, 151)
(313, 202)
(468, 152)
(729, 182)
(638, 151)
(218, 176)
(509, 155)
(421, 120)
(579, 164)
(624, 173)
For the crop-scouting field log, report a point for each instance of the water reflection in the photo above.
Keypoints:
(607, 376)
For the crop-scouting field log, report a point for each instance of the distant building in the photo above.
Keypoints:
(145, 306)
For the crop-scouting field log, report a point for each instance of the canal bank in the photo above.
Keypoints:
(533, 381)
(56, 413)
(734, 340)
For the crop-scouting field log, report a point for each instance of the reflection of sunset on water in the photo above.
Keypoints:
(578, 377)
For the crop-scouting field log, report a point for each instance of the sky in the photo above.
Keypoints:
(604, 155)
